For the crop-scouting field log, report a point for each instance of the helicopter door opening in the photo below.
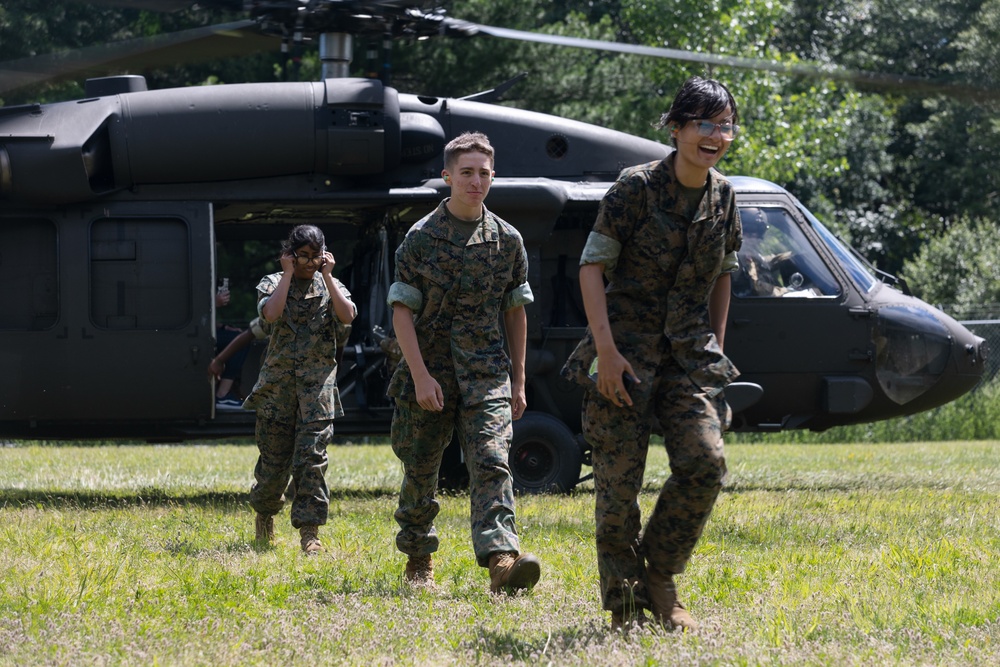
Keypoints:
(112, 324)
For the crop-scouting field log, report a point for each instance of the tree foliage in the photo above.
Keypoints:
(914, 161)
(891, 172)
(961, 268)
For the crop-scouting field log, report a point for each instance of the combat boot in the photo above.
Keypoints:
(310, 539)
(420, 571)
(627, 619)
(667, 609)
(264, 525)
(510, 571)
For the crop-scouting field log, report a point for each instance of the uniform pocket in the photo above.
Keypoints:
(703, 360)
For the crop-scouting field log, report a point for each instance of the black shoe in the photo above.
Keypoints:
(228, 403)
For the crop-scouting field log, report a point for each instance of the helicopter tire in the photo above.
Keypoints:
(453, 474)
(545, 456)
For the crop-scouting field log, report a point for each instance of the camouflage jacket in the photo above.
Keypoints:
(456, 291)
(301, 360)
(659, 287)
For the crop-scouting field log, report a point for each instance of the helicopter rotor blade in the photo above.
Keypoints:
(169, 5)
(877, 80)
(273, 23)
(225, 40)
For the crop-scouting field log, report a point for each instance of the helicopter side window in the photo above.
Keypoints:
(776, 259)
(28, 254)
(140, 273)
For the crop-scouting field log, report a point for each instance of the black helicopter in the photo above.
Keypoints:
(112, 208)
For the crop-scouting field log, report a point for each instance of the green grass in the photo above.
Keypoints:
(973, 416)
(815, 555)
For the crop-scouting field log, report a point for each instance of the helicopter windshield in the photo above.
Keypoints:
(777, 260)
(859, 272)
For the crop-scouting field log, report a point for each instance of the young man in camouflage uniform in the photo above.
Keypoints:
(296, 397)
(457, 269)
(665, 238)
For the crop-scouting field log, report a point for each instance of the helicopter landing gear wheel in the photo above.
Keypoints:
(544, 455)
(454, 474)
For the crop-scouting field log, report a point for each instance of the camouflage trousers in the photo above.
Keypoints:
(296, 451)
(419, 438)
(692, 425)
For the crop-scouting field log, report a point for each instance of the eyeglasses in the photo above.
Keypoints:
(706, 129)
(302, 260)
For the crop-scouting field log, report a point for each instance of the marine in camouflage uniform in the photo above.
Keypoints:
(662, 247)
(296, 399)
(456, 288)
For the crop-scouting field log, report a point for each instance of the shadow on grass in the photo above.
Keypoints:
(155, 497)
(867, 483)
(529, 647)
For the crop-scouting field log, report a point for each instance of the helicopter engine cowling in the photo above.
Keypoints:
(337, 127)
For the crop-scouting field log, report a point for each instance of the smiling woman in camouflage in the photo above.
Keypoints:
(665, 238)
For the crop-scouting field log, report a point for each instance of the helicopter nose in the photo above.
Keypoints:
(918, 347)
(977, 353)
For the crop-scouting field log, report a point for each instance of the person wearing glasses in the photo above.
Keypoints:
(296, 398)
(666, 240)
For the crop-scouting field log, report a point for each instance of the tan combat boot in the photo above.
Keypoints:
(264, 525)
(510, 571)
(624, 621)
(667, 609)
(420, 571)
(310, 539)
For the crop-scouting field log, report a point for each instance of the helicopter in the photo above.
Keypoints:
(113, 207)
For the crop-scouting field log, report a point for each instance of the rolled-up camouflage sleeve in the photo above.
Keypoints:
(405, 289)
(347, 295)
(260, 328)
(616, 220)
(518, 296)
(405, 294)
(601, 249)
(265, 288)
(518, 291)
(730, 263)
(341, 329)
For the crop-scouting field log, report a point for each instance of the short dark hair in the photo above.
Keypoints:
(699, 98)
(301, 235)
(467, 142)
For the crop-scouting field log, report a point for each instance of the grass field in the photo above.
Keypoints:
(815, 555)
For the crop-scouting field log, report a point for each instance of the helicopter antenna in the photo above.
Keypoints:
(494, 93)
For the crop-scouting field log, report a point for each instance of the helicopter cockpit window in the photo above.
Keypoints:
(860, 273)
(28, 255)
(140, 273)
(777, 260)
